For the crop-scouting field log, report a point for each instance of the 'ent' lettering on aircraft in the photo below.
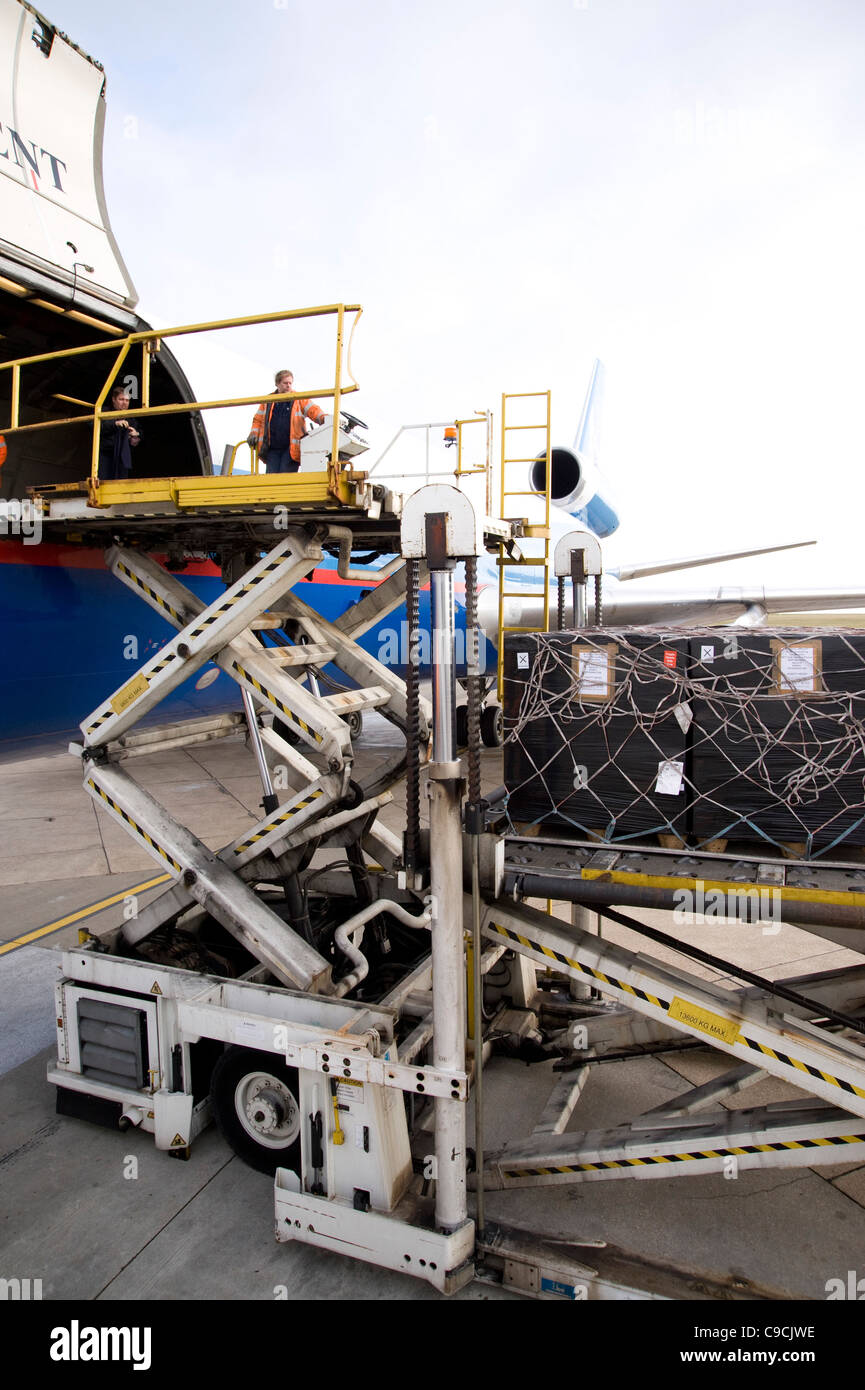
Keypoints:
(26, 157)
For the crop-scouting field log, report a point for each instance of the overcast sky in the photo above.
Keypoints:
(511, 189)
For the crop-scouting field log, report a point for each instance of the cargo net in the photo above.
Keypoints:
(706, 736)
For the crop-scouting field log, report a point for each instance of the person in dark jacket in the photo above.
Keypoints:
(117, 439)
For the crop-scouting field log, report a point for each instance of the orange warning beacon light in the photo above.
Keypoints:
(450, 435)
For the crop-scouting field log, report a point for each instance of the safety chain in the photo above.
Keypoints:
(411, 847)
(473, 683)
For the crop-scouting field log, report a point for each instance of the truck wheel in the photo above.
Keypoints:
(254, 1101)
(492, 726)
(354, 720)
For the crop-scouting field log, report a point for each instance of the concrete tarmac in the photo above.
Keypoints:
(101, 1215)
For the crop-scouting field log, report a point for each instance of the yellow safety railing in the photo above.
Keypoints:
(150, 342)
(508, 461)
(486, 418)
(254, 461)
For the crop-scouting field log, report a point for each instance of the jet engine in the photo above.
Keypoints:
(575, 487)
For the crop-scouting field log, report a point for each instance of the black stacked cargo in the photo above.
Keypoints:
(778, 751)
(747, 736)
(593, 743)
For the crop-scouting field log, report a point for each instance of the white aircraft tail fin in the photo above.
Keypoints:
(587, 441)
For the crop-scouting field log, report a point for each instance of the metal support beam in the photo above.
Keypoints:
(208, 880)
(201, 638)
(355, 662)
(785, 1044)
(376, 604)
(784, 1136)
(439, 525)
(244, 659)
(447, 906)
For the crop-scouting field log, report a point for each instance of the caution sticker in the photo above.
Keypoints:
(154, 988)
(129, 693)
(716, 1025)
(250, 1030)
(348, 1090)
(178, 1142)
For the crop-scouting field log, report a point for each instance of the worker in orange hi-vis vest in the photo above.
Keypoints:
(279, 426)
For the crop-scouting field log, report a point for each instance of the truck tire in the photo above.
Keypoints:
(492, 726)
(354, 720)
(253, 1096)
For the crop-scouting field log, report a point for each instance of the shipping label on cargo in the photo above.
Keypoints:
(798, 669)
(671, 775)
(684, 716)
(595, 671)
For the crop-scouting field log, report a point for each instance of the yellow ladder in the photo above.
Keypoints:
(509, 478)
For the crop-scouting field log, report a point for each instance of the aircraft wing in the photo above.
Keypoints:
(649, 567)
(711, 607)
(725, 604)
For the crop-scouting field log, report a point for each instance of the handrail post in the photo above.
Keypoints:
(547, 509)
(334, 446)
(97, 410)
(500, 673)
(145, 374)
(488, 464)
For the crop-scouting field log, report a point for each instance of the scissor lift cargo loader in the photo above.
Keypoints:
(319, 1088)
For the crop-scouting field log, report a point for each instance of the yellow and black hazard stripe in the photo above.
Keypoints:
(231, 599)
(140, 832)
(149, 673)
(279, 820)
(804, 1067)
(111, 511)
(665, 1005)
(146, 589)
(100, 720)
(650, 1160)
(273, 700)
(161, 665)
(584, 969)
